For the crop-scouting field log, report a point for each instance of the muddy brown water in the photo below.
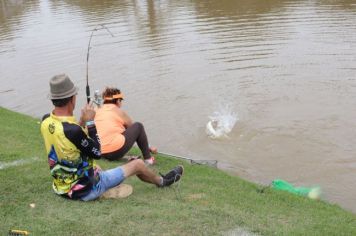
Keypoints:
(286, 68)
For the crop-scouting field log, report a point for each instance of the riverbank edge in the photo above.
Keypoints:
(207, 201)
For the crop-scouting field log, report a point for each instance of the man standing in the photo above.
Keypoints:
(72, 148)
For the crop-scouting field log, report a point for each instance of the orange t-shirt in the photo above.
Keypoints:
(110, 127)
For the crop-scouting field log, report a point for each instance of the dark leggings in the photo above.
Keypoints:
(134, 133)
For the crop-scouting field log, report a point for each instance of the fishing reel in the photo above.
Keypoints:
(97, 99)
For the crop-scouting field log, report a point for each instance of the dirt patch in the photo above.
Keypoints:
(196, 196)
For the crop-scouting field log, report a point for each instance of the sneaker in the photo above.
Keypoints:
(150, 161)
(173, 176)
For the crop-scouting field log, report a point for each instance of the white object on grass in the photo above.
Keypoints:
(315, 193)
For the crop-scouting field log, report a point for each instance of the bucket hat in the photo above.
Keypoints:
(61, 87)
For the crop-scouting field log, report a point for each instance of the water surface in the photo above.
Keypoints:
(287, 68)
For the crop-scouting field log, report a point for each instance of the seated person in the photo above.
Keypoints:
(72, 150)
(117, 132)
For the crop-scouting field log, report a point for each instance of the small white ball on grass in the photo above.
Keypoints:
(32, 205)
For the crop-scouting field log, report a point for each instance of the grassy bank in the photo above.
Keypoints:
(207, 201)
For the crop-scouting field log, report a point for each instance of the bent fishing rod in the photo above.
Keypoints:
(98, 27)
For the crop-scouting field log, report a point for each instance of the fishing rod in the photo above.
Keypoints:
(98, 27)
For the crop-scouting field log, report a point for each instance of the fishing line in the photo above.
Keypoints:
(176, 189)
(213, 163)
(98, 27)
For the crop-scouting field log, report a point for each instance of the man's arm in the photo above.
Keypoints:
(88, 145)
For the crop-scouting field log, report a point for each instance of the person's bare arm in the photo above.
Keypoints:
(127, 119)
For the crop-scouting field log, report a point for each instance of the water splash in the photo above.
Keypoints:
(221, 122)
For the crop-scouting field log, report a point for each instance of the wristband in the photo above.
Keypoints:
(89, 123)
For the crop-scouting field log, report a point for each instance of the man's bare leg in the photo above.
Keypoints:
(138, 168)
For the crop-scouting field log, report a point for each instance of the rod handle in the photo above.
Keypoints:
(88, 93)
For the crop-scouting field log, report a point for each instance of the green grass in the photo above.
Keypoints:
(206, 202)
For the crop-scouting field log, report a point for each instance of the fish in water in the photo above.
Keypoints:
(221, 123)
